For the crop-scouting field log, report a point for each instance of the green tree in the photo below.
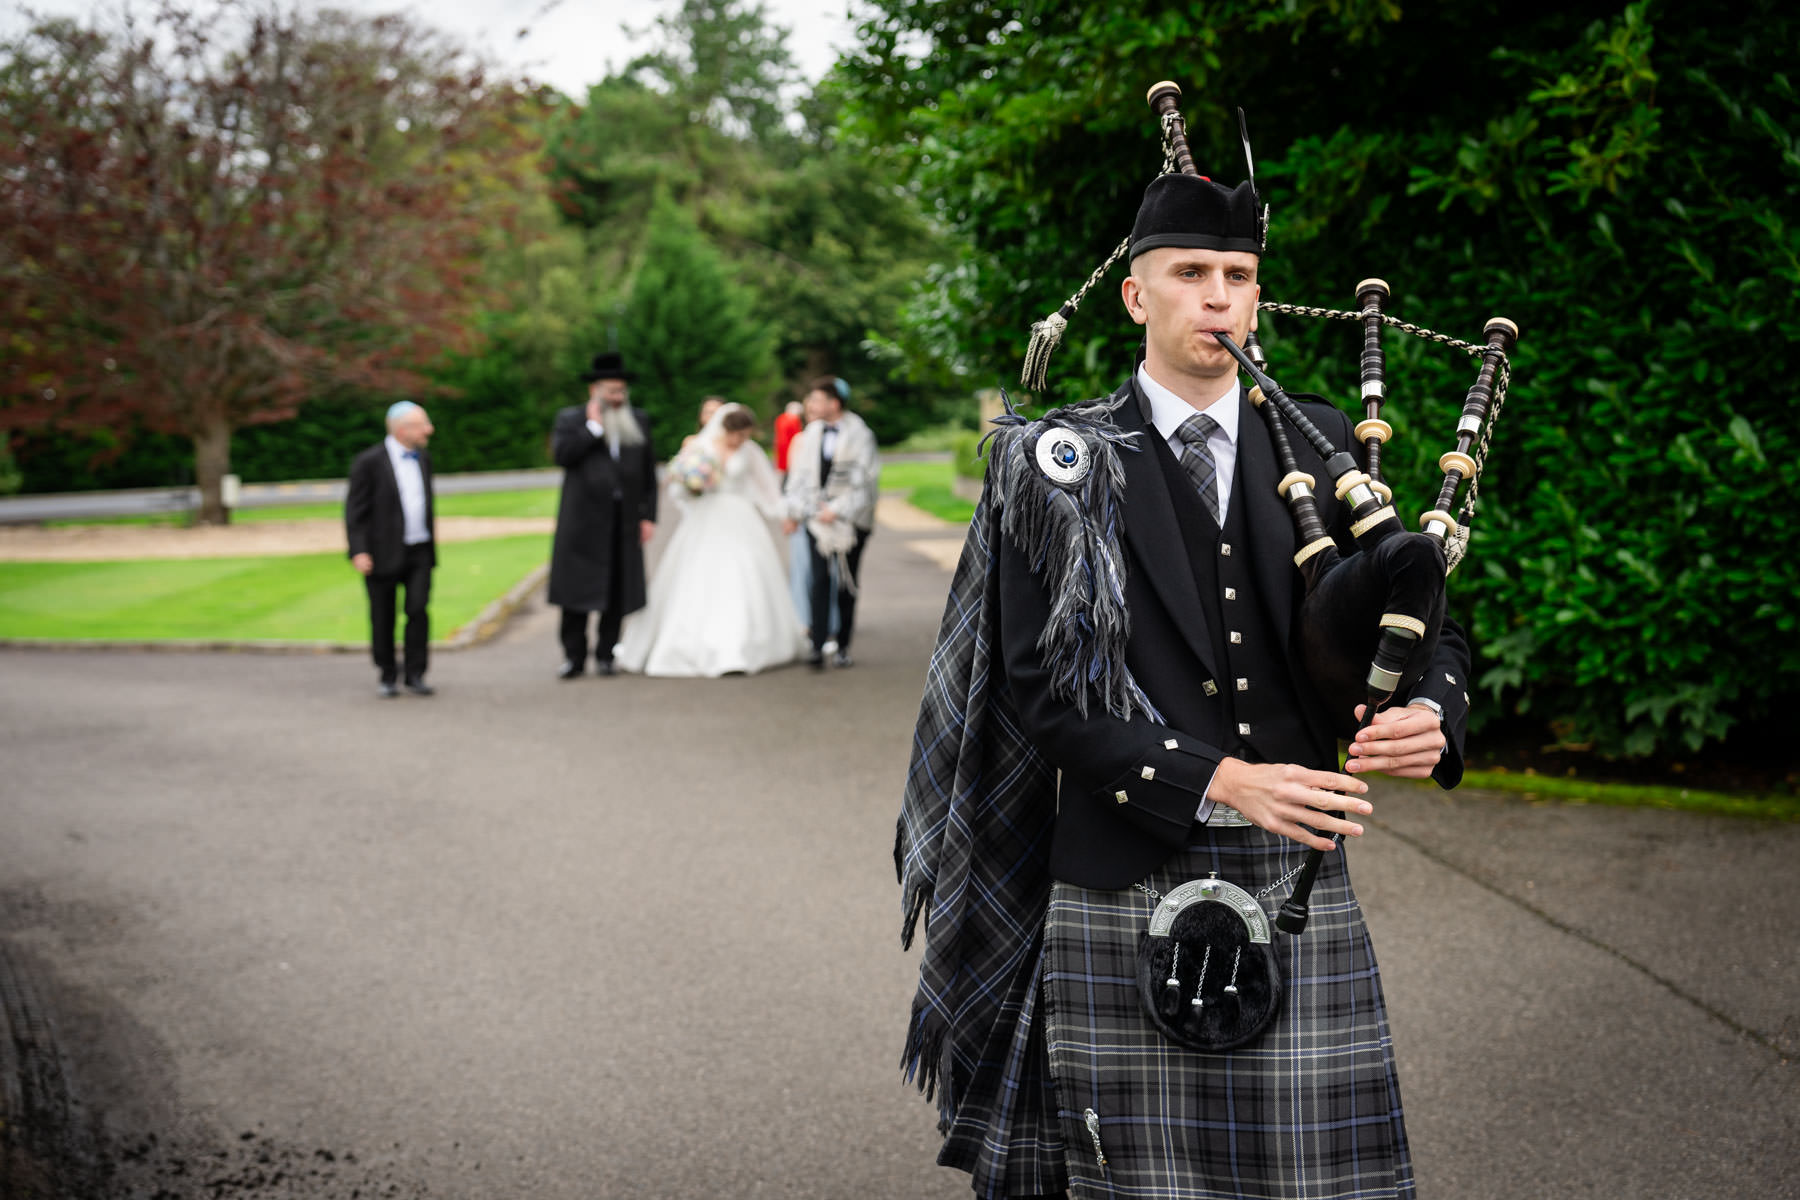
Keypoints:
(688, 329)
(827, 239)
(1619, 179)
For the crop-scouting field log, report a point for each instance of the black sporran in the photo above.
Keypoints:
(1207, 971)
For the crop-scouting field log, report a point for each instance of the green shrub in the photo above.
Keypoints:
(966, 454)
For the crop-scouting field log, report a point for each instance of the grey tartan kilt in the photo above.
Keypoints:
(1310, 1111)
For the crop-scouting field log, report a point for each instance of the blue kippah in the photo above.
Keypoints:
(400, 408)
(843, 389)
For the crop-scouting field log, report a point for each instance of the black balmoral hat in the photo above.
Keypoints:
(1194, 213)
(610, 365)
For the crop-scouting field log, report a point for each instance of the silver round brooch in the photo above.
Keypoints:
(1064, 457)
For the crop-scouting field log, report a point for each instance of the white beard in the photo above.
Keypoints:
(622, 428)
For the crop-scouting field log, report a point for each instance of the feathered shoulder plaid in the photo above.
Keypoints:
(974, 831)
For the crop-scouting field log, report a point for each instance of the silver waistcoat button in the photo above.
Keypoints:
(1231, 593)
(1243, 729)
(1236, 638)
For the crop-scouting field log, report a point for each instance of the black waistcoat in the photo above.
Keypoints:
(1262, 713)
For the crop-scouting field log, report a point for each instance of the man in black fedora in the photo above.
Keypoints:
(607, 513)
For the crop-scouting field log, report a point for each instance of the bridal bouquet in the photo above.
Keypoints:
(696, 470)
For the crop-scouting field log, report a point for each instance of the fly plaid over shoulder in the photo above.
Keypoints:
(972, 845)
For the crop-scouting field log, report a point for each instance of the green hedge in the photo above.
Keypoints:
(1621, 180)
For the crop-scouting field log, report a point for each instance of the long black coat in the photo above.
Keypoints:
(374, 522)
(1099, 840)
(597, 522)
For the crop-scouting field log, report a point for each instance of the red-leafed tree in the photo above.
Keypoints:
(208, 217)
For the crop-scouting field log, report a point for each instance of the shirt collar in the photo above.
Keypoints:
(396, 451)
(1168, 411)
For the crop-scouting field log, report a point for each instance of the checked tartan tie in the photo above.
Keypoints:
(1197, 459)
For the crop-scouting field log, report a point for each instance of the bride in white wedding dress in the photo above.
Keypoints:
(719, 601)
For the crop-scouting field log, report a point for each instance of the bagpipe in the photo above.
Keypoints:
(1370, 619)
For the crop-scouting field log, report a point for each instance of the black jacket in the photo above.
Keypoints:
(374, 522)
(1100, 840)
(603, 499)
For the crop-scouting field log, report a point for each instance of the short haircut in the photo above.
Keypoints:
(831, 385)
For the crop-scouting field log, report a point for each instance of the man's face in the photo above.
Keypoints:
(822, 405)
(612, 392)
(1182, 297)
(413, 430)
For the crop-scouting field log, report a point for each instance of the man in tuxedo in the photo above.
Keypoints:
(834, 475)
(606, 516)
(1066, 1086)
(389, 522)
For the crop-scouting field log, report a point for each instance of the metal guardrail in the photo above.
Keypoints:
(65, 506)
(74, 506)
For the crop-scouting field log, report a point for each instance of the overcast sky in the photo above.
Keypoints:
(570, 43)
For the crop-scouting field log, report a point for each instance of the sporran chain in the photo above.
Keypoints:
(1157, 896)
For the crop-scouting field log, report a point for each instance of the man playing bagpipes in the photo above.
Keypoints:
(1118, 737)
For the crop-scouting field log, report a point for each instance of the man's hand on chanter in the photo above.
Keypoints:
(1407, 742)
(1280, 797)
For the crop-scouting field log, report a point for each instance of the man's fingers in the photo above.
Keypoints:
(1399, 747)
(1330, 781)
(1424, 763)
(1409, 722)
(1317, 840)
(1301, 834)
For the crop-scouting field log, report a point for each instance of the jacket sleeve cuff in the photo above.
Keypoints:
(1444, 692)
(1165, 787)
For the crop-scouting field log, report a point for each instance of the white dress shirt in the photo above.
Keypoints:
(411, 479)
(1168, 411)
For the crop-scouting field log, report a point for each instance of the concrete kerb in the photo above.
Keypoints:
(486, 625)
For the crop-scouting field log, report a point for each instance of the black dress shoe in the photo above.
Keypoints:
(419, 687)
(816, 660)
(569, 670)
(388, 689)
(842, 659)
(604, 666)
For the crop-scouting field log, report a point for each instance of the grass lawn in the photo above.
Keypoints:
(1575, 790)
(927, 486)
(535, 502)
(304, 597)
